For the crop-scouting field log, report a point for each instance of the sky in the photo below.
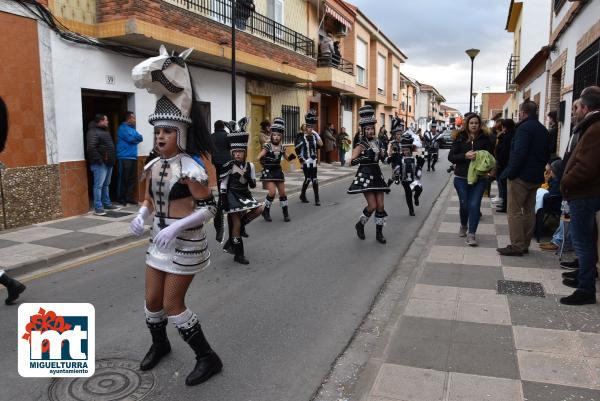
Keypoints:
(434, 35)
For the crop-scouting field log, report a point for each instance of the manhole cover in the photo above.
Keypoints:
(110, 213)
(525, 288)
(114, 379)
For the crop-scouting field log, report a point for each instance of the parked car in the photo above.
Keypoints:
(446, 140)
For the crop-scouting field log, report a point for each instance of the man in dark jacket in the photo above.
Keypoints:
(525, 172)
(101, 159)
(580, 186)
(127, 154)
(221, 156)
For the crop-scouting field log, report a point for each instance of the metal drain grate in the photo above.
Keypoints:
(524, 288)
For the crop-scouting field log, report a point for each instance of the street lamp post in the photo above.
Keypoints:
(472, 53)
(233, 71)
(474, 94)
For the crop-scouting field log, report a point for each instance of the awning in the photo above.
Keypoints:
(337, 16)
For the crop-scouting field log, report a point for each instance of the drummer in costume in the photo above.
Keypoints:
(178, 194)
(307, 143)
(270, 157)
(406, 169)
(369, 179)
(238, 202)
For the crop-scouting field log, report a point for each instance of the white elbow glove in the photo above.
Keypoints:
(167, 235)
(137, 224)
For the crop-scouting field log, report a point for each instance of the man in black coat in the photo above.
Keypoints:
(529, 154)
(221, 156)
(101, 159)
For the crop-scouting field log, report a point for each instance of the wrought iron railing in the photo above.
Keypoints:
(511, 72)
(336, 62)
(587, 69)
(250, 22)
(291, 116)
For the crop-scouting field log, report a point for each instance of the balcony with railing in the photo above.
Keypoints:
(250, 22)
(512, 70)
(263, 45)
(335, 73)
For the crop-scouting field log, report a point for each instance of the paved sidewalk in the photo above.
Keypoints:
(458, 339)
(41, 245)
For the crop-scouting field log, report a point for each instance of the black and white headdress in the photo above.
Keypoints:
(367, 116)
(397, 125)
(406, 141)
(278, 126)
(238, 137)
(310, 118)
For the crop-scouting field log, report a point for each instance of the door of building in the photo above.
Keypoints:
(114, 106)
(257, 115)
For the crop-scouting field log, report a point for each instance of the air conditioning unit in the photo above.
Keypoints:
(342, 31)
(513, 87)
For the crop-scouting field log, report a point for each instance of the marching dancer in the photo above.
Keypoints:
(177, 192)
(238, 202)
(270, 157)
(432, 146)
(405, 168)
(369, 180)
(307, 143)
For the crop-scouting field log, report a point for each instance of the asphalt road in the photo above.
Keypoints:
(278, 324)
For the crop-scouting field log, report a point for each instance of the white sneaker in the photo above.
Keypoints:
(497, 200)
(471, 241)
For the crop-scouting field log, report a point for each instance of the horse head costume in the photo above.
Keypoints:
(167, 77)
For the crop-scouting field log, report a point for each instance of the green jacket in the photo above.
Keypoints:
(483, 162)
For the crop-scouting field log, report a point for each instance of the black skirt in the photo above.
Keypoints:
(239, 200)
(368, 178)
(272, 173)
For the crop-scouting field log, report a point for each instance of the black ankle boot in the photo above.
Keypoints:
(316, 191)
(266, 213)
(243, 232)
(160, 345)
(286, 215)
(379, 234)
(303, 192)
(228, 247)
(360, 230)
(208, 362)
(14, 287)
(238, 247)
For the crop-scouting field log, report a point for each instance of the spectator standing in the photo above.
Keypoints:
(580, 186)
(467, 142)
(343, 145)
(525, 172)
(265, 132)
(221, 156)
(101, 159)
(243, 10)
(504, 141)
(553, 132)
(327, 49)
(328, 143)
(127, 153)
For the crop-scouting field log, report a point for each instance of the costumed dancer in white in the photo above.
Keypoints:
(307, 143)
(237, 177)
(272, 175)
(369, 179)
(405, 167)
(178, 194)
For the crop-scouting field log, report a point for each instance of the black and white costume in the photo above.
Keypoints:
(306, 149)
(406, 169)
(369, 177)
(272, 171)
(432, 147)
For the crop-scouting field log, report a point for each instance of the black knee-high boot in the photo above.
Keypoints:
(315, 186)
(284, 207)
(160, 344)
(303, 192)
(266, 213)
(219, 223)
(208, 362)
(14, 287)
(408, 196)
(379, 223)
(360, 225)
(228, 247)
(418, 191)
(238, 247)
